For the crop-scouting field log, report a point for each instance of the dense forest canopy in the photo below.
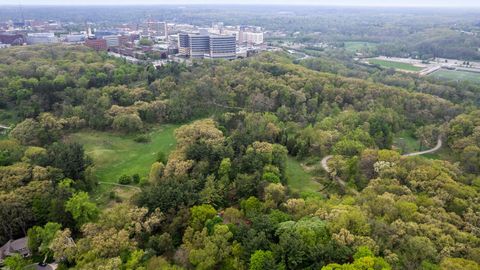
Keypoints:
(222, 199)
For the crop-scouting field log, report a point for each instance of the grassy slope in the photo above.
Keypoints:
(298, 179)
(353, 46)
(406, 142)
(396, 65)
(452, 75)
(115, 155)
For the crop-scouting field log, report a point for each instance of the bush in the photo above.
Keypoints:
(125, 180)
(136, 178)
(142, 139)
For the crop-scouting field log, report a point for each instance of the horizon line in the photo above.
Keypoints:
(241, 4)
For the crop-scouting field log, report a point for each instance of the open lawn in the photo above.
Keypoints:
(359, 46)
(454, 75)
(395, 65)
(115, 154)
(299, 179)
(406, 142)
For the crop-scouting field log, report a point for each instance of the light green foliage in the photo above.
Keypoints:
(81, 208)
(364, 259)
(261, 260)
(208, 251)
(458, 263)
(200, 214)
(40, 238)
(16, 262)
(251, 207)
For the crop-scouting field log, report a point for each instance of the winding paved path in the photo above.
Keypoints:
(325, 160)
(434, 149)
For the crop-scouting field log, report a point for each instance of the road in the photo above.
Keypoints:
(325, 160)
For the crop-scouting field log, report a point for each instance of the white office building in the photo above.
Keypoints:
(112, 41)
(41, 38)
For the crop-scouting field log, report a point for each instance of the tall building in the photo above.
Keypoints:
(156, 28)
(199, 45)
(210, 46)
(183, 44)
(223, 47)
(252, 37)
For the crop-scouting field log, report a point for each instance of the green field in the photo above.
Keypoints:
(299, 179)
(395, 65)
(453, 75)
(115, 155)
(406, 142)
(359, 46)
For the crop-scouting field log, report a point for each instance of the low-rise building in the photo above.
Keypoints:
(18, 246)
(41, 38)
(97, 44)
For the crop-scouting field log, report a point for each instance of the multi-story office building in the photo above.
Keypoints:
(183, 44)
(210, 46)
(41, 38)
(112, 41)
(156, 28)
(253, 38)
(199, 45)
(223, 47)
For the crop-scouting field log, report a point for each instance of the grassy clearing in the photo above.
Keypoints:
(359, 46)
(299, 179)
(406, 142)
(395, 65)
(115, 155)
(454, 75)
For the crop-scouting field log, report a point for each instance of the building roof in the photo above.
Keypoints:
(15, 246)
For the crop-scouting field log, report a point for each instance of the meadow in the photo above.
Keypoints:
(359, 46)
(299, 179)
(115, 154)
(454, 75)
(395, 65)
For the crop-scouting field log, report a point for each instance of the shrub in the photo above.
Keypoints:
(136, 178)
(142, 139)
(125, 180)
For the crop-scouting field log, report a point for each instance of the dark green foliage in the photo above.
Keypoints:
(125, 179)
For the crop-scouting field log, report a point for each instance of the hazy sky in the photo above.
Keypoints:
(419, 3)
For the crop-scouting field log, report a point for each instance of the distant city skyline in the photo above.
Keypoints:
(368, 3)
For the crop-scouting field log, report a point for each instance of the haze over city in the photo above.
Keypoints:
(371, 3)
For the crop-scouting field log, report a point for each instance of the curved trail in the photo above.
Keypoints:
(120, 185)
(437, 147)
(325, 160)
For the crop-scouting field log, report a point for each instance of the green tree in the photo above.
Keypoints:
(16, 262)
(40, 238)
(81, 208)
(261, 260)
(200, 214)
